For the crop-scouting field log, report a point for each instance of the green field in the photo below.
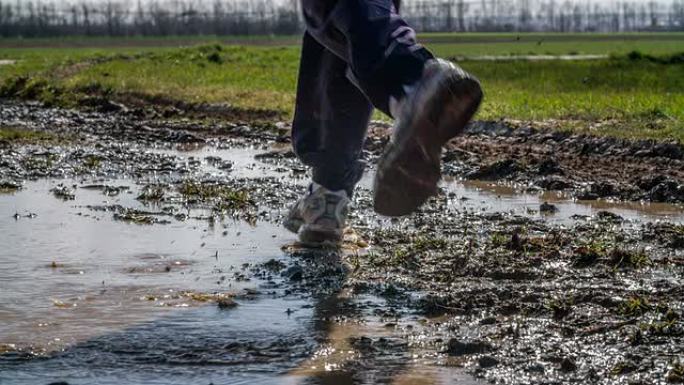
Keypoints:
(624, 95)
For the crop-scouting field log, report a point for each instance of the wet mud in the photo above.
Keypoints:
(148, 249)
(589, 168)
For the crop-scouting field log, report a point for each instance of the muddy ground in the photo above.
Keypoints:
(507, 297)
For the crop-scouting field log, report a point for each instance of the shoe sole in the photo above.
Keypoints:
(409, 169)
(311, 235)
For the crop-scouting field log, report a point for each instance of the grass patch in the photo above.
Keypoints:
(152, 193)
(622, 368)
(588, 255)
(675, 375)
(561, 307)
(636, 93)
(634, 307)
(224, 198)
(629, 259)
(207, 191)
(23, 135)
(7, 187)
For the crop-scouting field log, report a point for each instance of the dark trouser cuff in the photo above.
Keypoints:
(339, 177)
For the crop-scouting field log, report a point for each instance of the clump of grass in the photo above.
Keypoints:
(623, 367)
(92, 162)
(676, 373)
(137, 217)
(621, 258)
(204, 191)
(151, 193)
(8, 187)
(589, 254)
(675, 58)
(561, 307)
(224, 198)
(95, 88)
(22, 135)
(668, 324)
(428, 243)
(238, 202)
(33, 88)
(634, 306)
(499, 240)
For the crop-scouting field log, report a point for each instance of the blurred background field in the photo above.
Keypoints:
(631, 86)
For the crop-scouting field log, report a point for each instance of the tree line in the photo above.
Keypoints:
(41, 18)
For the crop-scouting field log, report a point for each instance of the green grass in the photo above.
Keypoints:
(444, 44)
(637, 97)
(15, 134)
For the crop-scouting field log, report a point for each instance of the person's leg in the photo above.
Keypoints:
(331, 119)
(431, 99)
(377, 44)
(328, 131)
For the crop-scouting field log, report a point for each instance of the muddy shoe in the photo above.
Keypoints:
(438, 109)
(319, 217)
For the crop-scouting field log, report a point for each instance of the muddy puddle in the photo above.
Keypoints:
(134, 253)
(138, 302)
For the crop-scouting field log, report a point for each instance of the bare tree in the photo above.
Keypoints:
(224, 17)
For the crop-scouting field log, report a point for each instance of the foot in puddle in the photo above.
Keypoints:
(320, 217)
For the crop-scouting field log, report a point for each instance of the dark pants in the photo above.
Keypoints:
(356, 54)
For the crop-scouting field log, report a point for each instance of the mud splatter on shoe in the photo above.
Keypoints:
(320, 216)
(442, 103)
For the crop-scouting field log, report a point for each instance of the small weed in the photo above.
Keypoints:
(425, 243)
(207, 191)
(561, 307)
(92, 162)
(23, 135)
(151, 193)
(7, 187)
(238, 200)
(634, 307)
(676, 373)
(12, 86)
(620, 258)
(95, 88)
(224, 198)
(623, 367)
(588, 255)
(136, 217)
(668, 325)
(499, 240)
